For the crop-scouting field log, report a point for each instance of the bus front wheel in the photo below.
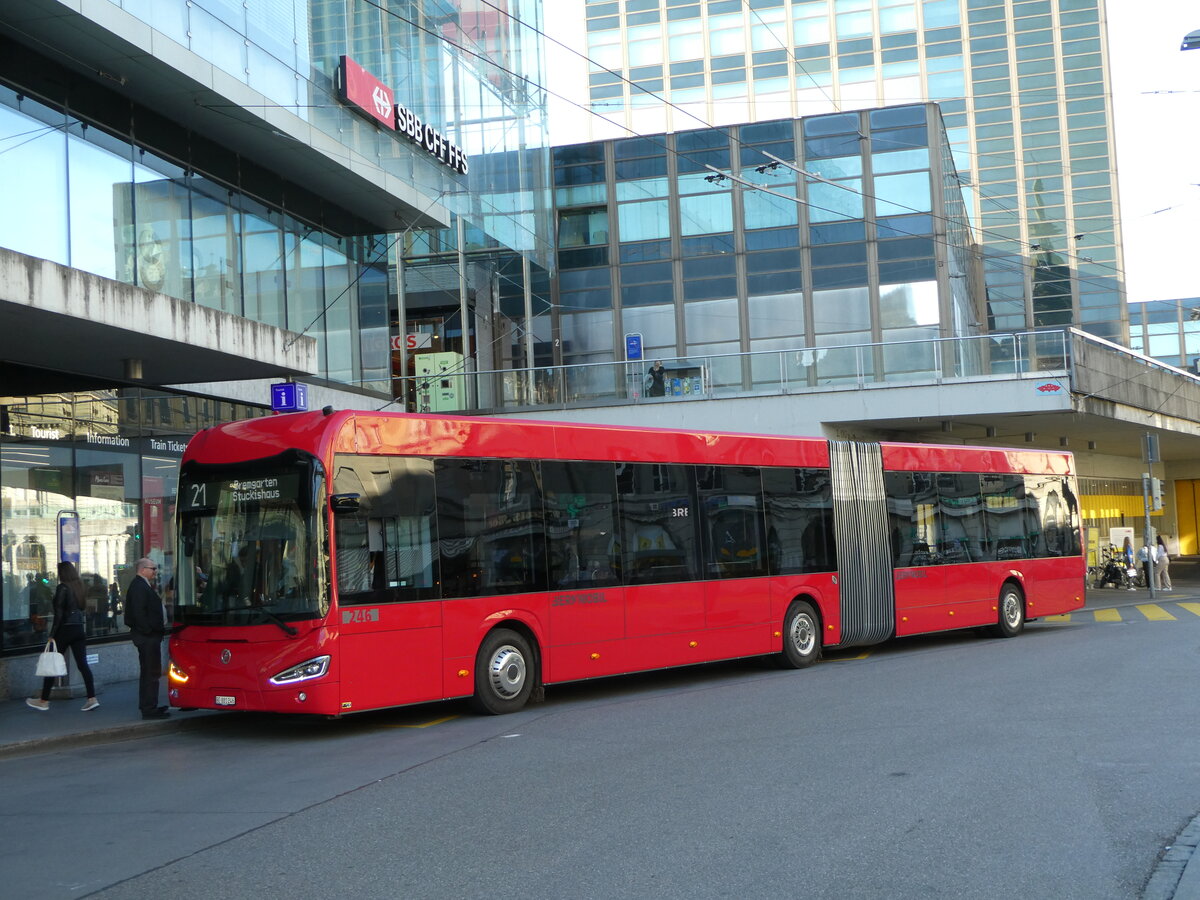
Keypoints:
(504, 674)
(801, 636)
(1012, 613)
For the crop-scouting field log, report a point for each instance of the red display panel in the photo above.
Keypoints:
(360, 88)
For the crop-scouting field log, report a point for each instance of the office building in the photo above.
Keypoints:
(205, 198)
(1022, 84)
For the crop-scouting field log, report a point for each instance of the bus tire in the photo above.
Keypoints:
(801, 636)
(504, 673)
(1011, 619)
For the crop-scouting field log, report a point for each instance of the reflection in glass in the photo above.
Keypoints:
(101, 212)
(33, 180)
(828, 203)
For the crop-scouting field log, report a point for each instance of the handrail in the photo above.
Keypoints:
(797, 369)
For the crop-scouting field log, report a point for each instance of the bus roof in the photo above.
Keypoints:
(348, 431)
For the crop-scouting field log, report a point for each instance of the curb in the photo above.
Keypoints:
(1174, 877)
(112, 735)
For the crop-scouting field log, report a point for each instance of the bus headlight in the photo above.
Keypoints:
(305, 671)
(176, 674)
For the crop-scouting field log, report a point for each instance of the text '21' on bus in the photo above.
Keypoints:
(353, 561)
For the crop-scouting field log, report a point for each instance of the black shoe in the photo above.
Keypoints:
(156, 714)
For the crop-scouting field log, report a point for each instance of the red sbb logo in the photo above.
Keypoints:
(1049, 388)
(360, 88)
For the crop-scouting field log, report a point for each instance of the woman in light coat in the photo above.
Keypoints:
(1162, 563)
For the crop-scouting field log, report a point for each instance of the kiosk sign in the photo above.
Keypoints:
(633, 345)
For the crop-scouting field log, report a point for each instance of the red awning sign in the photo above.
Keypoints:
(360, 88)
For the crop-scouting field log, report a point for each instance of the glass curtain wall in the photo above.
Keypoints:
(812, 234)
(1021, 83)
(118, 210)
(89, 477)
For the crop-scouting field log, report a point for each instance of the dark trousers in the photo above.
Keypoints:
(72, 637)
(150, 665)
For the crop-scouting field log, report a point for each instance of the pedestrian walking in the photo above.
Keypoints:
(1144, 561)
(146, 617)
(1162, 562)
(68, 605)
(1127, 555)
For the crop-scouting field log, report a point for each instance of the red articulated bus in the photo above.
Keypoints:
(349, 561)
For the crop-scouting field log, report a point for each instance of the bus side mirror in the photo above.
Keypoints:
(344, 504)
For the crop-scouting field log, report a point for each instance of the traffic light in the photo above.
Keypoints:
(1156, 493)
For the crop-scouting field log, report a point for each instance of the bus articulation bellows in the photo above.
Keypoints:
(349, 561)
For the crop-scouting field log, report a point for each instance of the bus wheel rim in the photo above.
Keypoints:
(1011, 609)
(804, 634)
(507, 671)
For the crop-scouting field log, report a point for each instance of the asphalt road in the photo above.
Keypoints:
(1056, 765)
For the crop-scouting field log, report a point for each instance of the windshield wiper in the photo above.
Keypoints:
(274, 619)
(269, 616)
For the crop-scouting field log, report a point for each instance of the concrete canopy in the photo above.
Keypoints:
(64, 329)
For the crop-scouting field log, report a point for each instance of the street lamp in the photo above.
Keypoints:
(1191, 41)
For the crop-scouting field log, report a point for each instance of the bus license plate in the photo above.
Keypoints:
(225, 701)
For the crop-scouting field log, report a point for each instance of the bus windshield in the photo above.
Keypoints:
(249, 539)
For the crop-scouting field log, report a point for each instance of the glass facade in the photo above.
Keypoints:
(862, 239)
(1167, 330)
(90, 477)
(95, 180)
(472, 71)
(1022, 85)
(181, 215)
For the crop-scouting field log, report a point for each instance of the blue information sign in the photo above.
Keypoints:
(68, 537)
(287, 396)
(633, 345)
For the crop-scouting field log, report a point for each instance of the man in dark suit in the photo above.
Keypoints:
(147, 620)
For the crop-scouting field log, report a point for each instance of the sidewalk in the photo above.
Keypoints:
(25, 731)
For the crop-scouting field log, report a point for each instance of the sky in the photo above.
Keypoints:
(1156, 111)
(1156, 104)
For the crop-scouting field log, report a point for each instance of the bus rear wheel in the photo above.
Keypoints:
(1012, 613)
(801, 636)
(504, 673)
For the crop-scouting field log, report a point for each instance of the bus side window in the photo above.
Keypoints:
(1004, 516)
(799, 514)
(490, 526)
(580, 499)
(731, 502)
(387, 550)
(659, 524)
(350, 530)
(960, 510)
(409, 568)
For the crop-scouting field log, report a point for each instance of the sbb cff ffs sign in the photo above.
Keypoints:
(361, 89)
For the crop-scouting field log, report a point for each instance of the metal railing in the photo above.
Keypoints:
(760, 373)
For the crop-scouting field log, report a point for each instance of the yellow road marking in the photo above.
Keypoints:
(1155, 613)
(425, 724)
(1190, 607)
(1107, 615)
(848, 658)
(1064, 617)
